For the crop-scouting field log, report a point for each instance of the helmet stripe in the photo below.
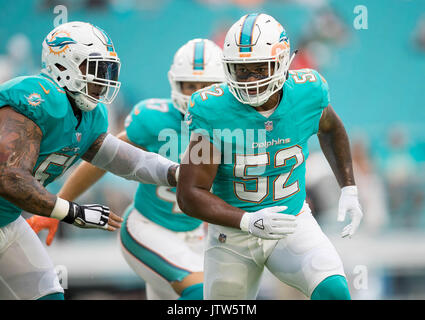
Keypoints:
(198, 56)
(245, 39)
(108, 40)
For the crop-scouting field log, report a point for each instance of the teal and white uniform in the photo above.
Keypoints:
(40, 99)
(263, 165)
(63, 143)
(159, 241)
(276, 147)
(155, 124)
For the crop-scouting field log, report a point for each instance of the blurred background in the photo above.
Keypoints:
(372, 56)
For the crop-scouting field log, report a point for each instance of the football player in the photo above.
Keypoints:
(161, 244)
(47, 122)
(256, 212)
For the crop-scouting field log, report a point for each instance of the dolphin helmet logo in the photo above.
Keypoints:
(59, 42)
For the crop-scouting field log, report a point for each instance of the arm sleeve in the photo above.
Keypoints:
(129, 162)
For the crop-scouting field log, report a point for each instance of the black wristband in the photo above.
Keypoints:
(72, 214)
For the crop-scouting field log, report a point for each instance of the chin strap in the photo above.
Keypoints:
(82, 102)
(289, 63)
(292, 58)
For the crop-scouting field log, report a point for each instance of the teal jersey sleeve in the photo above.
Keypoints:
(310, 97)
(202, 116)
(144, 121)
(36, 97)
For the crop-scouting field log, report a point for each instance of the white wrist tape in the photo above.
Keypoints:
(60, 210)
(349, 190)
(244, 224)
(132, 163)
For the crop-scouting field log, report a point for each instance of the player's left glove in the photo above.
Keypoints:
(38, 223)
(349, 202)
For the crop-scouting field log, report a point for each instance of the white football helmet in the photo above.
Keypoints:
(68, 46)
(256, 38)
(199, 60)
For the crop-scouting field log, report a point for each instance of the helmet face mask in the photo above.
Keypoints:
(81, 59)
(268, 46)
(195, 64)
(100, 79)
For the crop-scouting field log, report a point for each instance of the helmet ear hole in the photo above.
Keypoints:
(60, 67)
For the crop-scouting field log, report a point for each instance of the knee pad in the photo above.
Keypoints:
(222, 289)
(193, 292)
(332, 288)
(228, 281)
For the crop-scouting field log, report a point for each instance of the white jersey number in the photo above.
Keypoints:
(303, 76)
(55, 159)
(258, 162)
(157, 104)
(164, 193)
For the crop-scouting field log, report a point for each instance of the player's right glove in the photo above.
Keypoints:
(269, 223)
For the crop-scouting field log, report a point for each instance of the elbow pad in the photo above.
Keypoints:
(129, 162)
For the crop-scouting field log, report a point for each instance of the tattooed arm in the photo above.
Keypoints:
(19, 148)
(127, 161)
(336, 147)
(94, 148)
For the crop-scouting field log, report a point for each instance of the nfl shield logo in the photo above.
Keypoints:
(268, 125)
(78, 135)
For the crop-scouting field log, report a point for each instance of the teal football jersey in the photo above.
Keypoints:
(40, 99)
(262, 158)
(157, 126)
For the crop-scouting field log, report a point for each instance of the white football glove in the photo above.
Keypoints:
(349, 202)
(268, 223)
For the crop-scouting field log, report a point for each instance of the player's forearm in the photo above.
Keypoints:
(202, 204)
(81, 179)
(20, 188)
(336, 148)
